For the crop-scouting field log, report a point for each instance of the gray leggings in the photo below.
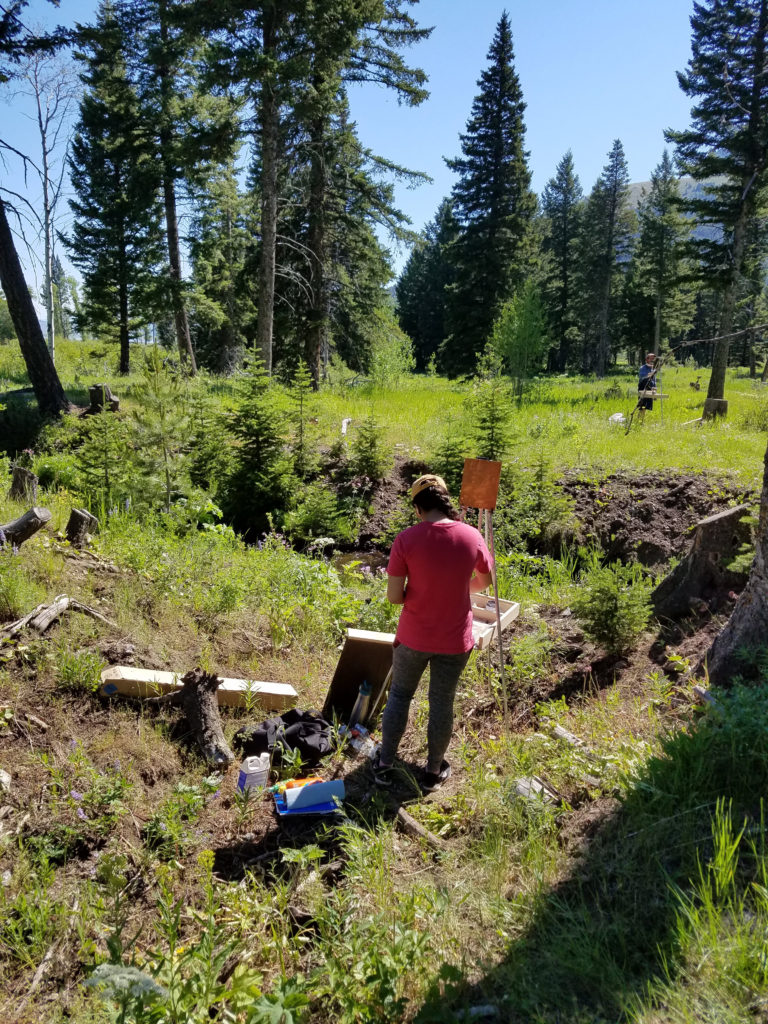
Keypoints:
(407, 669)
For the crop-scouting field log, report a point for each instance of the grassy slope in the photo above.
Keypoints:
(636, 901)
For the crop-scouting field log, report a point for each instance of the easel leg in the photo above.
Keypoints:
(492, 546)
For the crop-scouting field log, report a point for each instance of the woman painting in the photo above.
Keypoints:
(433, 568)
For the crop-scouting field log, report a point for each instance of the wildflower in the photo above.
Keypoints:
(75, 795)
(81, 814)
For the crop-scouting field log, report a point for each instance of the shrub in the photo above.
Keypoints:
(613, 605)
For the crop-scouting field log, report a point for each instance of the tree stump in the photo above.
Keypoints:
(197, 697)
(715, 540)
(21, 529)
(100, 396)
(80, 524)
(23, 485)
(747, 628)
(714, 407)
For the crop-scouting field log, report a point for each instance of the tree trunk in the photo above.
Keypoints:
(748, 624)
(317, 331)
(269, 129)
(49, 393)
(125, 340)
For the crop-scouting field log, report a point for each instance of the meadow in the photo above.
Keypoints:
(137, 885)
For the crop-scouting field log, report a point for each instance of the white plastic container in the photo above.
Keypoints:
(254, 771)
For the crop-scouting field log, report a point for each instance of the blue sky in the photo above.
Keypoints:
(591, 71)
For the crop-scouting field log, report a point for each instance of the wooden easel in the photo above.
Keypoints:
(480, 490)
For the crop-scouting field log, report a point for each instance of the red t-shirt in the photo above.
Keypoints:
(438, 560)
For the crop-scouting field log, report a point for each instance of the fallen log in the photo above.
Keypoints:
(21, 529)
(41, 618)
(715, 540)
(197, 697)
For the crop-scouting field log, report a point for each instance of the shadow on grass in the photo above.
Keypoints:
(604, 934)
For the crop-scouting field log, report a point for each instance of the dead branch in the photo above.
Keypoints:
(413, 828)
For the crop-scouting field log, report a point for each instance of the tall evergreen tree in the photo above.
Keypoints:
(606, 240)
(493, 204)
(561, 204)
(422, 286)
(116, 239)
(660, 255)
(224, 310)
(727, 141)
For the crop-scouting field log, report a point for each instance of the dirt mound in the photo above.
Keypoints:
(646, 517)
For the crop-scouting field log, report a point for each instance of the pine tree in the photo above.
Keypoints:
(261, 476)
(660, 256)
(162, 422)
(728, 142)
(421, 289)
(116, 239)
(607, 233)
(494, 206)
(561, 204)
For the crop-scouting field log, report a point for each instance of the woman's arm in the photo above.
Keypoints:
(479, 582)
(396, 589)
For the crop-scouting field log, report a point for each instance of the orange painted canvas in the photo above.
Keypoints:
(480, 483)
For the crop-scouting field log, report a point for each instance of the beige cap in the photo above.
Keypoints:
(428, 480)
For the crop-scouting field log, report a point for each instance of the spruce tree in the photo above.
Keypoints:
(494, 206)
(660, 256)
(116, 240)
(607, 233)
(561, 204)
(223, 308)
(726, 149)
(421, 289)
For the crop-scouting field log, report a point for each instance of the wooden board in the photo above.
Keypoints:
(484, 618)
(480, 483)
(365, 655)
(233, 693)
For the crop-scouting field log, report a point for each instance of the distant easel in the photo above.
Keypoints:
(480, 490)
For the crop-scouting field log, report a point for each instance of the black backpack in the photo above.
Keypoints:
(305, 731)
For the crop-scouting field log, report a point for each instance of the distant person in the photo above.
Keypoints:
(647, 382)
(433, 568)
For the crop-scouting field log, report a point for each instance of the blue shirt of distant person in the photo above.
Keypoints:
(647, 382)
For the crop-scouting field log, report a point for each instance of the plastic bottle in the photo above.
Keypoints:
(254, 771)
(360, 709)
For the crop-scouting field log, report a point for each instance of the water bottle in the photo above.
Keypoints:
(254, 771)
(360, 709)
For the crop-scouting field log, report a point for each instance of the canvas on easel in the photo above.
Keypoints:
(480, 484)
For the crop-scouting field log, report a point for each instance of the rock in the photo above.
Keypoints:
(5, 879)
(5, 782)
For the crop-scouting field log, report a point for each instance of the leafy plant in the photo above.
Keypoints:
(78, 670)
